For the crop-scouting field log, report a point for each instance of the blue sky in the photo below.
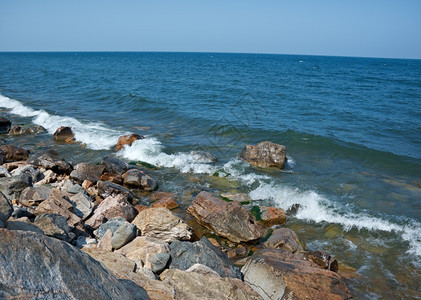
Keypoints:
(370, 28)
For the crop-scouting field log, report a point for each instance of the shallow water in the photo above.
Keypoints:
(352, 127)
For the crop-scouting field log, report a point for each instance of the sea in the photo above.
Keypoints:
(351, 127)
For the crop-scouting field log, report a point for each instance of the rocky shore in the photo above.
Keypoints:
(79, 231)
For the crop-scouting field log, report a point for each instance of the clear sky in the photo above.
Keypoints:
(371, 28)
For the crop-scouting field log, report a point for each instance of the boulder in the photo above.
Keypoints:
(228, 219)
(105, 242)
(23, 224)
(112, 225)
(114, 165)
(5, 125)
(162, 199)
(13, 186)
(63, 133)
(137, 179)
(124, 268)
(159, 261)
(269, 215)
(28, 169)
(325, 261)
(33, 196)
(39, 267)
(127, 140)
(13, 153)
(185, 254)
(83, 205)
(36, 129)
(114, 178)
(278, 274)
(6, 208)
(142, 246)
(85, 171)
(265, 154)
(123, 235)
(111, 207)
(162, 224)
(17, 130)
(193, 285)
(285, 239)
(51, 160)
(240, 197)
(107, 189)
(54, 225)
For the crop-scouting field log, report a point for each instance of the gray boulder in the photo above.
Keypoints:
(85, 171)
(123, 235)
(51, 160)
(54, 225)
(114, 165)
(6, 208)
(39, 267)
(159, 261)
(83, 205)
(32, 196)
(112, 224)
(265, 154)
(28, 169)
(13, 186)
(186, 254)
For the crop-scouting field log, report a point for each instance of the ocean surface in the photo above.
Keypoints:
(352, 128)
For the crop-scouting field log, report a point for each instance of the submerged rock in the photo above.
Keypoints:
(17, 130)
(265, 154)
(127, 140)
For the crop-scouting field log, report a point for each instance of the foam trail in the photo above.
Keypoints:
(316, 208)
(95, 135)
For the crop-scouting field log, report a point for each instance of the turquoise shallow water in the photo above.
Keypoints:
(352, 127)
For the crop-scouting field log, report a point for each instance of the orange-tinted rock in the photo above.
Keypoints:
(270, 216)
(63, 133)
(140, 207)
(127, 140)
(166, 202)
(115, 178)
(86, 184)
(265, 154)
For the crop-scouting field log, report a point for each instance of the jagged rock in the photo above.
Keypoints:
(63, 133)
(54, 225)
(193, 285)
(324, 260)
(123, 235)
(109, 208)
(82, 204)
(285, 239)
(39, 267)
(265, 154)
(114, 178)
(85, 171)
(141, 246)
(20, 212)
(6, 208)
(159, 262)
(162, 199)
(114, 165)
(105, 242)
(76, 189)
(13, 186)
(32, 196)
(112, 224)
(106, 189)
(185, 254)
(23, 224)
(227, 219)
(51, 160)
(28, 169)
(278, 274)
(17, 130)
(135, 178)
(47, 177)
(268, 215)
(127, 140)
(13, 153)
(5, 125)
(162, 224)
(124, 268)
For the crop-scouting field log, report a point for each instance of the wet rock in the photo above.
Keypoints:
(6, 208)
(107, 189)
(13, 186)
(162, 224)
(185, 254)
(112, 225)
(54, 225)
(123, 235)
(63, 133)
(36, 129)
(268, 215)
(159, 262)
(5, 125)
(14, 153)
(114, 178)
(124, 268)
(162, 199)
(228, 219)
(51, 160)
(277, 274)
(322, 259)
(37, 266)
(32, 196)
(265, 154)
(17, 130)
(127, 140)
(141, 246)
(193, 285)
(114, 165)
(85, 171)
(111, 207)
(285, 239)
(23, 224)
(135, 178)
(83, 205)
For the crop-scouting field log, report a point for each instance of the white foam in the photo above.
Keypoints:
(95, 135)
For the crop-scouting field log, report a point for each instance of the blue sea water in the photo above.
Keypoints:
(352, 128)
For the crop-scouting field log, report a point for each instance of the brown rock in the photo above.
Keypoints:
(13, 153)
(115, 178)
(277, 274)
(105, 242)
(269, 215)
(63, 133)
(163, 199)
(17, 130)
(127, 140)
(86, 184)
(85, 171)
(162, 224)
(140, 207)
(112, 206)
(285, 239)
(141, 246)
(265, 154)
(137, 179)
(324, 260)
(228, 219)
